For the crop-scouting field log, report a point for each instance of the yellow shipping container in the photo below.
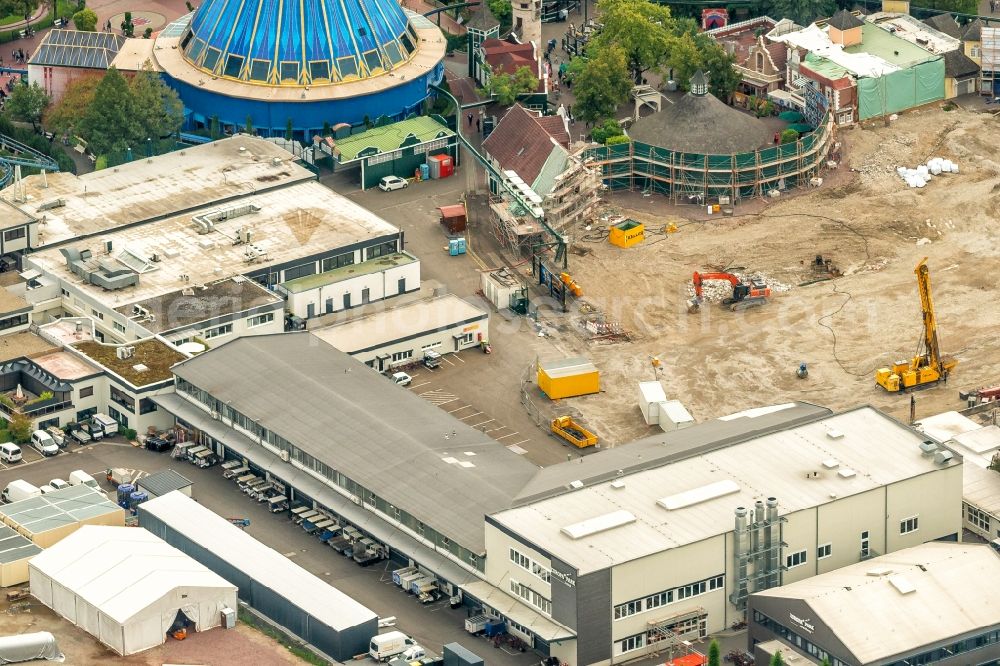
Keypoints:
(568, 377)
(627, 233)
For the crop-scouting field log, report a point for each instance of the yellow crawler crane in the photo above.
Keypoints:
(927, 367)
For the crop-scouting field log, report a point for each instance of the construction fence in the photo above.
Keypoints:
(692, 177)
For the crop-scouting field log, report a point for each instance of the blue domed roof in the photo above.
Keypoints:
(298, 42)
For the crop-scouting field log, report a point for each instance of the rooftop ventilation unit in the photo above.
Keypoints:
(830, 463)
(928, 448)
(576, 485)
(879, 571)
(846, 473)
(902, 584)
(139, 367)
(125, 352)
(618, 484)
(943, 457)
(833, 433)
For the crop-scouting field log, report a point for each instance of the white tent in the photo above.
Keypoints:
(126, 586)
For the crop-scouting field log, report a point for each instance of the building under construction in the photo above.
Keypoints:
(700, 150)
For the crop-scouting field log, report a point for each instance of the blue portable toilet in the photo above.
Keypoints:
(425, 172)
(124, 491)
(453, 247)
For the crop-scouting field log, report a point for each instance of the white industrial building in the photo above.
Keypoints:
(188, 245)
(401, 335)
(127, 587)
(930, 604)
(664, 539)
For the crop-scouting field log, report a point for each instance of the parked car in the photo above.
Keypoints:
(79, 436)
(401, 378)
(96, 431)
(390, 183)
(158, 444)
(79, 477)
(44, 443)
(58, 484)
(10, 452)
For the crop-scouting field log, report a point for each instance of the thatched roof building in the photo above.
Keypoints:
(700, 123)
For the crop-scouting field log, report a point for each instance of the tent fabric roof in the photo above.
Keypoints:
(57, 509)
(945, 23)
(72, 48)
(264, 565)
(522, 142)
(347, 416)
(122, 570)
(393, 136)
(957, 65)
(701, 124)
(844, 20)
(955, 593)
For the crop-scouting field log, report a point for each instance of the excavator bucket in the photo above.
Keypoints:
(693, 306)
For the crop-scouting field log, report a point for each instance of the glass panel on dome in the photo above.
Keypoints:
(211, 58)
(196, 50)
(319, 70)
(259, 70)
(392, 50)
(234, 64)
(407, 42)
(289, 72)
(373, 62)
(348, 67)
(187, 38)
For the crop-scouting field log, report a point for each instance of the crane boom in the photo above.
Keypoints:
(927, 308)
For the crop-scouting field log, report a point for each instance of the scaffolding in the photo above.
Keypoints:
(758, 545)
(693, 177)
(989, 82)
(675, 632)
(574, 196)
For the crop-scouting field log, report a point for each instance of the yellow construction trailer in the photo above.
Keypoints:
(568, 377)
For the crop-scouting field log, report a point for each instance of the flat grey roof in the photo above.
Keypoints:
(14, 547)
(57, 509)
(445, 473)
(951, 592)
(264, 565)
(161, 483)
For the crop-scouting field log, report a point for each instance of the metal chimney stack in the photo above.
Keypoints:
(773, 539)
(739, 594)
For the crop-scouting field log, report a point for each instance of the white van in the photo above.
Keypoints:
(43, 443)
(10, 453)
(19, 490)
(386, 646)
(106, 423)
(81, 478)
(58, 484)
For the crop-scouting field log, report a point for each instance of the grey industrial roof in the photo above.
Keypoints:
(981, 488)
(72, 48)
(160, 483)
(865, 607)
(380, 435)
(600, 525)
(14, 547)
(57, 509)
(266, 566)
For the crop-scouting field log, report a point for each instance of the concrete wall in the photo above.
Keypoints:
(330, 298)
(443, 342)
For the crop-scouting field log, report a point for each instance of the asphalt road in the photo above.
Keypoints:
(432, 625)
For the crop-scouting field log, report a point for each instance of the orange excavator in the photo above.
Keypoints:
(745, 295)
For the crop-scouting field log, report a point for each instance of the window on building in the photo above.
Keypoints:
(978, 518)
(974, 52)
(124, 399)
(795, 559)
(659, 599)
(380, 250)
(467, 338)
(402, 356)
(86, 391)
(865, 544)
(260, 319)
(99, 315)
(13, 322)
(824, 551)
(300, 271)
(65, 292)
(13, 234)
(146, 406)
(119, 327)
(628, 609)
(118, 416)
(633, 643)
(331, 263)
(908, 525)
(218, 331)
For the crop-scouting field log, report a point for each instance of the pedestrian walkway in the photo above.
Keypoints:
(441, 18)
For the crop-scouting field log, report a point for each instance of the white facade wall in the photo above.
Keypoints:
(330, 298)
(443, 342)
(215, 334)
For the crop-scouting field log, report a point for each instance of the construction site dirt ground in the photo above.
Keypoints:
(865, 219)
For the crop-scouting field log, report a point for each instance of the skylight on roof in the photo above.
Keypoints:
(699, 495)
(598, 524)
(902, 584)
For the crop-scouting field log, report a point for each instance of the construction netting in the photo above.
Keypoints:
(901, 90)
(639, 166)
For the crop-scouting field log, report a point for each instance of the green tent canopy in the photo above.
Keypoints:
(801, 128)
(790, 116)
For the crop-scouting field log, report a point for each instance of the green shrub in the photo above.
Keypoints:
(130, 434)
(789, 136)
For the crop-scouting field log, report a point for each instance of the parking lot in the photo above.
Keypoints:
(432, 625)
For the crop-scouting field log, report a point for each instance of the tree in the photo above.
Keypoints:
(608, 129)
(825, 662)
(723, 79)
(958, 6)
(714, 658)
(67, 112)
(213, 128)
(248, 127)
(111, 122)
(502, 11)
(642, 28)
(505, 88)
(128, 28)
(159, 110)
(20, 429)
(28, 103)
(789, 136)
(85, 20)
(804, 12)
(600, 82)
(777, 659)
(147, 33)
(685, 59)
(289, 130)
(18, 8)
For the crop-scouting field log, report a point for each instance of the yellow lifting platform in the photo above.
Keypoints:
(573, 432)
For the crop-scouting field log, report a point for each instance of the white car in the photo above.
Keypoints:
(402, 378)
(390, 183)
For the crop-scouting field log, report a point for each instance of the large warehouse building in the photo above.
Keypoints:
(307, 606)
(325, 62)
(930, 604)
(127, 587)
(592, 561)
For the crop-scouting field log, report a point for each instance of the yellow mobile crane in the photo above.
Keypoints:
(927, 367)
